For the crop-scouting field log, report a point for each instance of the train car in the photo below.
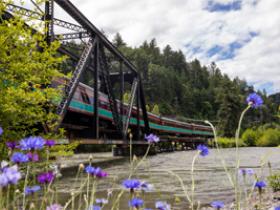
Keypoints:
(81, 110)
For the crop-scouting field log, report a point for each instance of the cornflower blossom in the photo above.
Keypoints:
(45, 178)
(97, 172)
(203, 150)
(162, 205)
(54, 207)
(217, 204)
(131, 184)
(9, 175)
(101, 201)
(1, 131)
(254, 100)
(151, 138)
(136, 203)
(260, 185)
(34, 157)
(11, 145)
(32, 143)
(19, 157)
(32, 190)
(50, 142)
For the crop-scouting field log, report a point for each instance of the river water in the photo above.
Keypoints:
(211, 182)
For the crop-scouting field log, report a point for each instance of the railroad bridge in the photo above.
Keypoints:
(96, 113)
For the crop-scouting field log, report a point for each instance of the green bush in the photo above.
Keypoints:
(269, 138)
(229, 142)
(250, 137)
(274, 182)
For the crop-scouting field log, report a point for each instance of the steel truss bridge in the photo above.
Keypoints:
(108, 68)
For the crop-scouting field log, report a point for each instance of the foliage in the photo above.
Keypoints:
(270, 137)
(274, 181)
(250, 137)
(27, 66)
(224, 142)
(155, 109)
(64, 149)
(191, 90)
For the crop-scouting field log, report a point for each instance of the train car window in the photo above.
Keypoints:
(76, 95)
(85, 97)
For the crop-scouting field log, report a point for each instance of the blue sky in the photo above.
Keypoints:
(213, 6)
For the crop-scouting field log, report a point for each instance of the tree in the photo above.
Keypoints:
(27, 65)
(118, 41)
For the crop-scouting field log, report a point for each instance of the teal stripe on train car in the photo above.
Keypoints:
(105, 113)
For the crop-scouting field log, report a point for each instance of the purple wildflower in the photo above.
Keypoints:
(203, 150)
(99, 173)
(152, 138)
(217, 204)
(50, 142)
(260, 184)
(11, 145)
(136, 203)
(94, 207)
(19, 157)
(95, 172)
(162, 205)
(245, 171)
(9, 175)
(45, 178)
(3, 180)
(32, 190)
(54, 207)
(34, 157)
(1, 131)
(32, 143)
(254, 100)
(146, 187)
(277, 208)
(131, 184)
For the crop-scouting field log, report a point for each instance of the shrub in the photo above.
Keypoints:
(274, 181)
(250, 137)
(270, 137)
(229, 142)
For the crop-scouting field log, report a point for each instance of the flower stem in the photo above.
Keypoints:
(25, 184)
(237, 194)
(229, 175)
(193, 181)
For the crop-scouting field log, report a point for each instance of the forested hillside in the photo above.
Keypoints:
(186, 89)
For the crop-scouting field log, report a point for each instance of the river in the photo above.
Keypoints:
(211, 182)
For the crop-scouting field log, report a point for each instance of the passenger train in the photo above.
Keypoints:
(80, 115)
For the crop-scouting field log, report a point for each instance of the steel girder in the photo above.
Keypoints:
(38, 16)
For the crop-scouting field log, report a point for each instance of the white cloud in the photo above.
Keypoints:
(182, 22)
